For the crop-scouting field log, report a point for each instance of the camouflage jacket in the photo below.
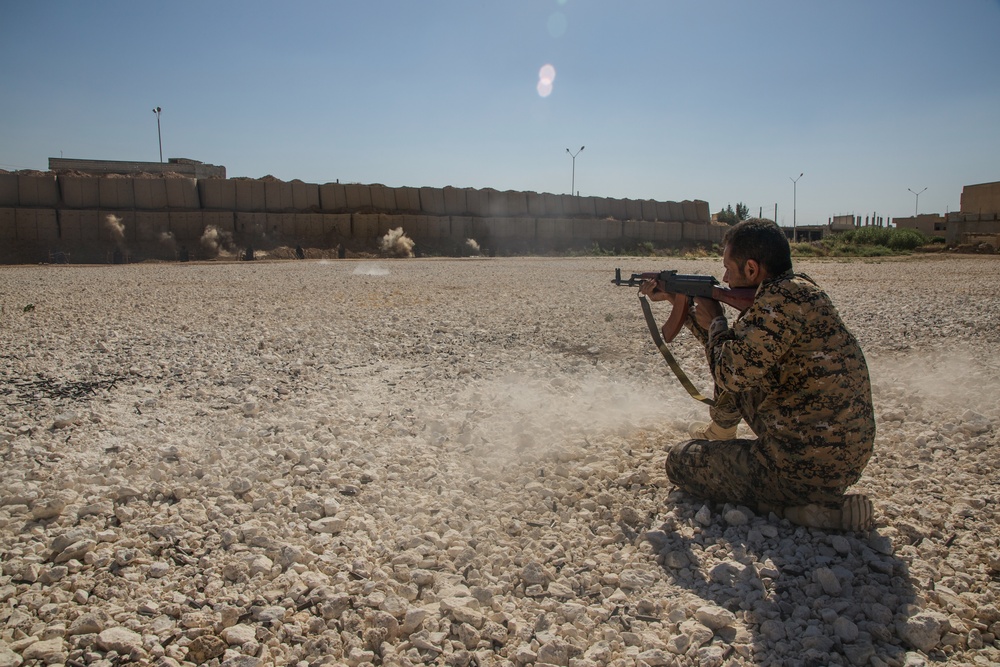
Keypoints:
(801, 380)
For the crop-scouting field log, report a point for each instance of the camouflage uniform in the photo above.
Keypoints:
(791, 369)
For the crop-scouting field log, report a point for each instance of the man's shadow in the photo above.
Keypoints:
(807, 597)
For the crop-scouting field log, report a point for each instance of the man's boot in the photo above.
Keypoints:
(856, 513)
(711, 431)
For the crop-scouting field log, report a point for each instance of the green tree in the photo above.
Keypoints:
(731, 217)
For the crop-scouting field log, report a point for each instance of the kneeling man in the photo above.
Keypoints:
(790, 367)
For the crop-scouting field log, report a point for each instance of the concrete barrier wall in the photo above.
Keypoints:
(51, 209)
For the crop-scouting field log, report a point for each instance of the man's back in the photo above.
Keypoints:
(810, 394)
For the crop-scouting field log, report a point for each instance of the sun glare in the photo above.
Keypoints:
(546, 75)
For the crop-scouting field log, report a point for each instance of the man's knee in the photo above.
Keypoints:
(679, 459)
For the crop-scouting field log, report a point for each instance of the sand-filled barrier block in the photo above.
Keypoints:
(333, 197)
(83, 226)
(517, 203)
(408, 200)
(281, 226)
(359, 197)
(309, 226)
(648, 210)
(633, 209)
(638, 230)
(8, 224)
(337, 225)
(695, 231)
(669, 232)
(690, 211)
(182, 193)
(602, 207)
(460, 227)
(217, 193)
(150, 225)
(553, 205)
(432, 201)
(511, 229)
(455, 200)
(570, 206)
(69, 225)
(48, 225)
(150, 193)
(604, 229)
(617, 209)
(26, 225)
(554, 229)
(116, 193)
(80, 191)
(364, 226)
(305, 196)
(38, 190)
(702, 212)
(477, 202)
(383, 198)
(8, 190)
(496, 206)
(278, 196)
(436, 227)
(250, 223)
(586, 230)
(249, 195)
(536, 204)
(187, 226)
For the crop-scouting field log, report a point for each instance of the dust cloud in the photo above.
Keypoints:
(396, 243)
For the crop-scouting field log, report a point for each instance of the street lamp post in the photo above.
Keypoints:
(916, 204)
(795, 229)
(157, 111)
(572, 189)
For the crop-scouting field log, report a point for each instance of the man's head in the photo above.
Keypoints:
(756, 249)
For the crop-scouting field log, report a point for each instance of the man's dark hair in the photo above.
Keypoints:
(762, 241)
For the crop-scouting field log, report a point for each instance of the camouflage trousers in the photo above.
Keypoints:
(729, 471)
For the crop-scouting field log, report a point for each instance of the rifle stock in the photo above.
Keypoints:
(681, 287)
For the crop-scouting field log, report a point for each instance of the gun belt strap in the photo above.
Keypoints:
(671, 361)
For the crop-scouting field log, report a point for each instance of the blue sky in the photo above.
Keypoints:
(719, 100)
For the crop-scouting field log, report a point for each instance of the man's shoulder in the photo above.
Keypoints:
(790, 282)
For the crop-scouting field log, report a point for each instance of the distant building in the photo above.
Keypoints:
(929, 224)
(977, 222)
(174, 165)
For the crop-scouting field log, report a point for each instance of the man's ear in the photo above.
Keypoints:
(753, 271)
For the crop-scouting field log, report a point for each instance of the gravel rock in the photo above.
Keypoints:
(301, 464)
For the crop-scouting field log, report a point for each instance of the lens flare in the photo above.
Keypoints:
(546, 75)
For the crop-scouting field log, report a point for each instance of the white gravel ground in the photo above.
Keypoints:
(461, 462)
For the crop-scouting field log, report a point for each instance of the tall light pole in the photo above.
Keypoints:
(795, 230)
(916, 204)
(572, 189)
(157, 111)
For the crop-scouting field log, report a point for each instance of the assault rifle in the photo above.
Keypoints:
(682, 287)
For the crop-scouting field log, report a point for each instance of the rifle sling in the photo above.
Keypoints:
(671, 361)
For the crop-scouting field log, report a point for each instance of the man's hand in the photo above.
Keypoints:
(706, 310)
(653, 290)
